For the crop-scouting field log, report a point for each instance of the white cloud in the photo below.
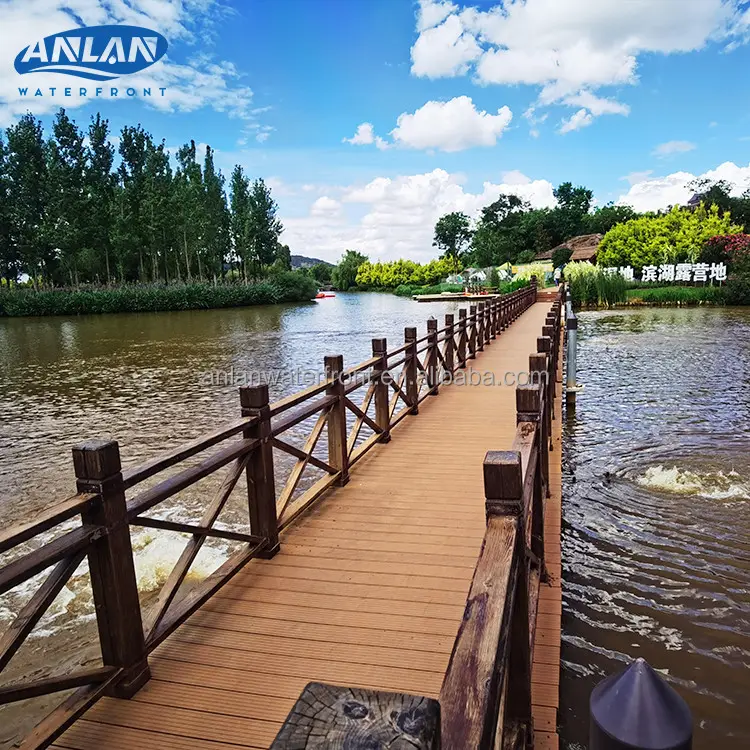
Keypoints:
(581, 119)
(200, 83)
(449, 126)
(634, 177)
(567, 48)
(654, 193)
(389, 218)
(673, 147)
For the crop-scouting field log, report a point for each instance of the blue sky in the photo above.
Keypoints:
(451, 102)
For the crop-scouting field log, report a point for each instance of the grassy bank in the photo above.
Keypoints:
(282, 287)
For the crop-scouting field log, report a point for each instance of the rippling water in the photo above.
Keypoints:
(141, 379)
(656, 534)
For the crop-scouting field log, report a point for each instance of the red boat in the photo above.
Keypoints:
(323, 295)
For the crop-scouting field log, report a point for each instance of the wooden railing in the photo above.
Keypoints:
(485, 700)
(111, 501)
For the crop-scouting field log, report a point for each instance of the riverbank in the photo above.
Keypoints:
(275, 289)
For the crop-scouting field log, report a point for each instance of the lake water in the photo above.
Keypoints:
(657, 513)
(656, 534)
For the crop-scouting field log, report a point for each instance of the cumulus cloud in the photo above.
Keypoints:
(673, 147)
(581, 119)
(389, 218)
(654, 193)
(566, 48)
(449, 126)
(199, 82)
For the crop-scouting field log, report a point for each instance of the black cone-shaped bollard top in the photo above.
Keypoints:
(637, 710)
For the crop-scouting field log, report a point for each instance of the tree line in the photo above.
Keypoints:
(510, 231)
(72, 213)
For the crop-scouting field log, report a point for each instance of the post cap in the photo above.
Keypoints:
(96, 459)
(254, 396)
(637, 710)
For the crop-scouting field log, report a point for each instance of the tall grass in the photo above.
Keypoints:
(277, 288)
(591, 287)
(678, 295)
(405, 290)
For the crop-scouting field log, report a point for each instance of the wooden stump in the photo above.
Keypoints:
(326, 717)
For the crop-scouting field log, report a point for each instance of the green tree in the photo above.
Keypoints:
(9, 260)
(217, 220)
(239, 188)
(157, 210)
(27, 176)
(561, 256)
(497, 236)
(573, 206)
(283, 257)
(606, 217)
(65, 216)
(263, 225)
(100, 191)
(344, 276)
(188, 197)
(452, 236)
(321, 272)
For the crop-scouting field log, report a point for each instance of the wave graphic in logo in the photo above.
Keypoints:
(98, 53)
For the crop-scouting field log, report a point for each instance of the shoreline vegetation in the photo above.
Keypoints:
(276, 288)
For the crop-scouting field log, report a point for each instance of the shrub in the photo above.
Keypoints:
(674, 237)
(738, 290)
(561, 256)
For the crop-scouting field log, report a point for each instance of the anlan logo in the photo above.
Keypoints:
(99, 53)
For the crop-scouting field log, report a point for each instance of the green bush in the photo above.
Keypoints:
(286, 286)
(561, 256)
(680, 295)
(738, 290)
(590, 286)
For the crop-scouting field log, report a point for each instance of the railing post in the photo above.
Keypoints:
(462, 338)
(496, 328)
(338, 455)
(472, 331)
(529, 409)
(432, 363)
(382, 391)
(487, 323)
(549, 332)
(539, 372)
(503, 487)
(480, 327)
(544, 346)
(118, 612)
(450, 344)
(261, 486)
(571, 361)
(411, 383)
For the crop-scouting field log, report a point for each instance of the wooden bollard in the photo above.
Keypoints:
(450, 344)
(118, 612)
(411, 382)
(326, 716)
(472, 331)
(462, 338)
(261, 488)
(338, 453)
(382, 391)
(432, 365)
(544, 345)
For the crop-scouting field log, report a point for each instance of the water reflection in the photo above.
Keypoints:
(656, 557)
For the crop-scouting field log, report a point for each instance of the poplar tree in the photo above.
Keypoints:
(216, 216)
(263, 226)
(239, 210)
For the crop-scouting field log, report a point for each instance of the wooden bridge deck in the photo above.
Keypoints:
(368, 589)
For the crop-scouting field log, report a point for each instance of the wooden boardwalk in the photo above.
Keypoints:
(368, 590)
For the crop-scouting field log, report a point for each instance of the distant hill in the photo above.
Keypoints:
(302, 261)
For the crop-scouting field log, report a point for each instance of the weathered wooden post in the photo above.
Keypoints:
(338, 455)
(432, 363)
(261, 486)
(380, 374)
(544, 346)
(488, 323)
(411, 382)
(118, 612)
(497, 307)
(549, 332)
(472, 331)
(503, 488)
(450, 344)
(638, 710)
(462, 337)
